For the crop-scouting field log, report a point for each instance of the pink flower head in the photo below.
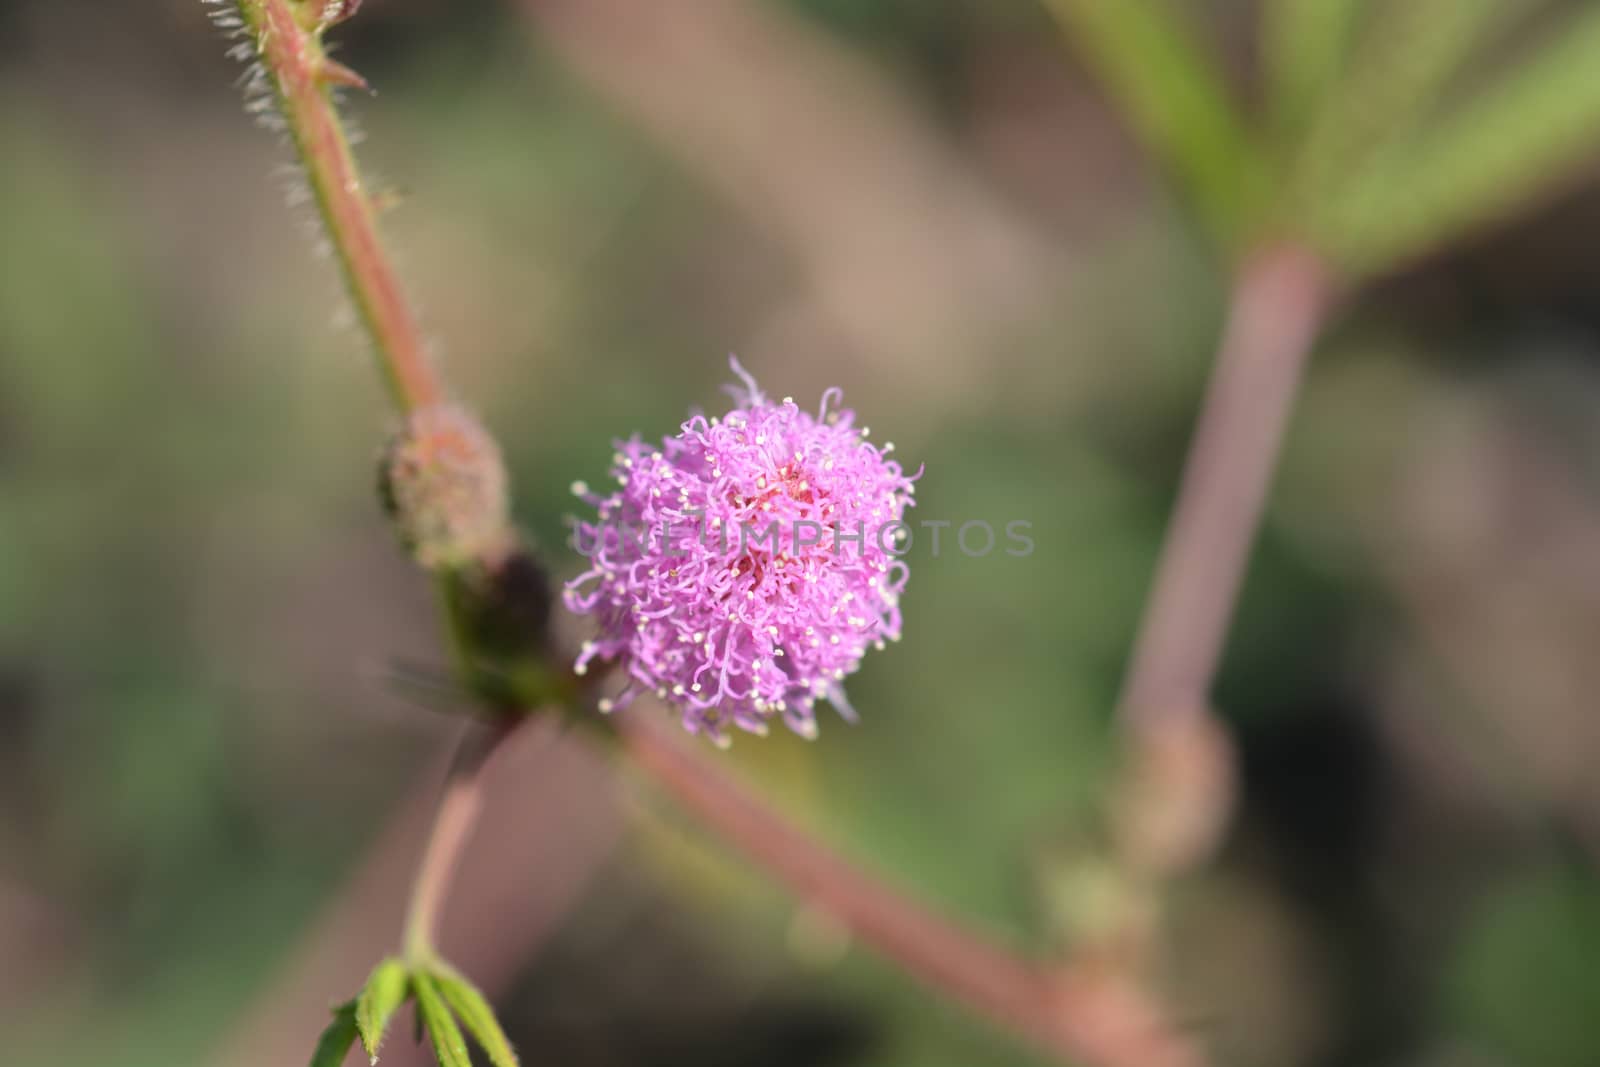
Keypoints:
(744, 567)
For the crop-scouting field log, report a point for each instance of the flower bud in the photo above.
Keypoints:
(443, 483)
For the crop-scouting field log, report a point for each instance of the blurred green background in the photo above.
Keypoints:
(215, 735)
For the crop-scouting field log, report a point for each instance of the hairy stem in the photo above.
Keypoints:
(1093, 1019)
(289, 42)
(1279, 303)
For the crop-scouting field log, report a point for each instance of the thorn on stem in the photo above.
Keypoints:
(333, 72)
(336, 11)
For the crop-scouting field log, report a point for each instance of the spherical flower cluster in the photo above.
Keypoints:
(743, 567)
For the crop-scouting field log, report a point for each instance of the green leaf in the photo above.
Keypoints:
(1174, 97)
(335, 1042)
(1408, 54)
(449, 1046)
(1486, 159)
(382, 996)
(1304, 45)
(1430, 42)
(475, 1014)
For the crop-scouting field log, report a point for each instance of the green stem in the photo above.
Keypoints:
(457, 814)
(1076, 1013)
(1280, 301)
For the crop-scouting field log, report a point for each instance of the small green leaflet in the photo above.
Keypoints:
(475, 1014)
(385, 991)
(336, 1040)
(1175, 98)
(449, 1046)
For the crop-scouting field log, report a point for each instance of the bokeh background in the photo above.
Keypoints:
(219, 680)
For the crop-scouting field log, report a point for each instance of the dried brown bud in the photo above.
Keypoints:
(444, 484)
